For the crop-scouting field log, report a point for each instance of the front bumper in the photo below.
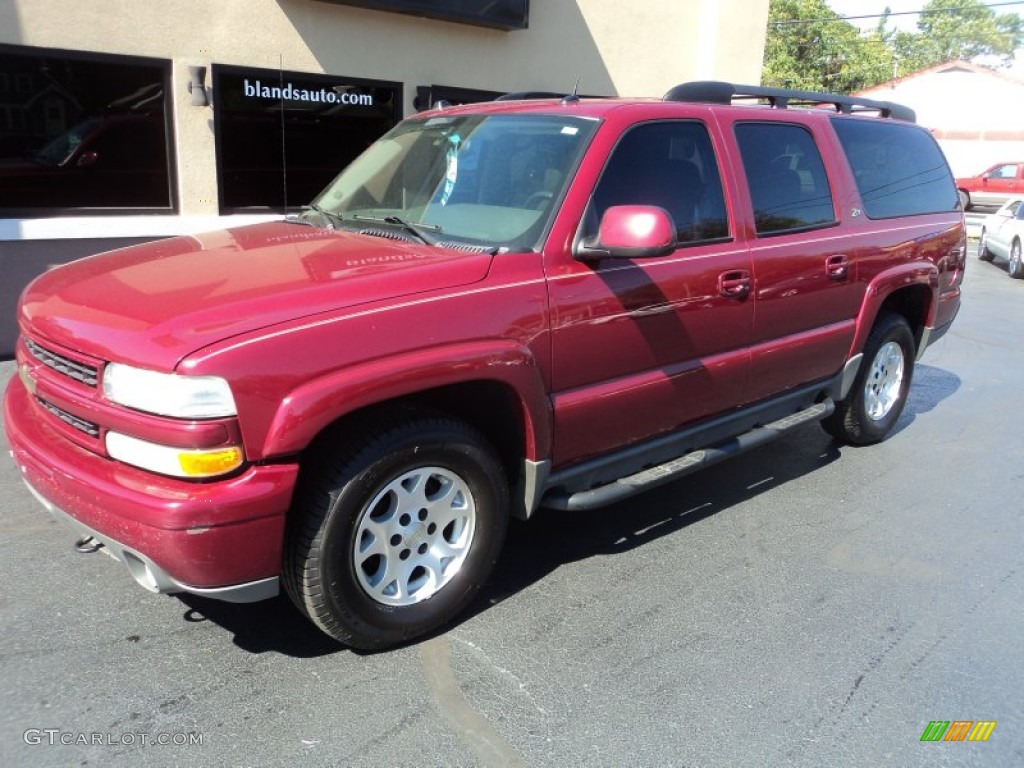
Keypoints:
(220, 539)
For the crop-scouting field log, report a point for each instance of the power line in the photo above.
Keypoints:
(922, 12)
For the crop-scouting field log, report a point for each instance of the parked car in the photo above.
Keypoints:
(1002, 234)
(496, 308)
(993, 187)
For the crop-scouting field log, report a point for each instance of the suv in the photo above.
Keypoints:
(496, 308)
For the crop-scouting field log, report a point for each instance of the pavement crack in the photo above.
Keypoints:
(489, 747)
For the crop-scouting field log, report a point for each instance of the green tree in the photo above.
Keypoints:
(966, 29)
(809, 46)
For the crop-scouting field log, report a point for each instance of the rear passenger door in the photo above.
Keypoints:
(641, 346)
(804, 287)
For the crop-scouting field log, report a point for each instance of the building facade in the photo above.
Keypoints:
(123, 121)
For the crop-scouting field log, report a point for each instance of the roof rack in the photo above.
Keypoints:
(718, 92)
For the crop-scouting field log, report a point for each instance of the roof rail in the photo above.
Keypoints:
(718, 92)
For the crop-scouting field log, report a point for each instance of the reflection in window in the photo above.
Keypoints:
(788, 185)
(282, 136)
(81, 132)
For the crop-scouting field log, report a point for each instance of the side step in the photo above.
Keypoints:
(646, 479)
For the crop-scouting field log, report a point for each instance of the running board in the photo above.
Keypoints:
(646, 479)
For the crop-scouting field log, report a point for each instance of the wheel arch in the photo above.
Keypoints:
(497, 390)
(910, 293)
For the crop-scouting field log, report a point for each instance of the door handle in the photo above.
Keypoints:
(735, 284)
(837, 267)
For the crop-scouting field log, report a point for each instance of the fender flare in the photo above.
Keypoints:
(311, 407)
(884, 285)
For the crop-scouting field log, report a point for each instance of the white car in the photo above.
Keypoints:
(1002, 234)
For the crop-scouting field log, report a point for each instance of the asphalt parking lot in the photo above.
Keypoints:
(806, 604)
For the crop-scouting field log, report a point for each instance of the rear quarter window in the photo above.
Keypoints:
(899, 169)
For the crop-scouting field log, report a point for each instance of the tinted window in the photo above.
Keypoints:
(788, 185)
(503, 14)
(282, 136)
(671, 165)
(81, 132)
(900, 170)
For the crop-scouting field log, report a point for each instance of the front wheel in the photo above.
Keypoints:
(881, 386)
(393, 537)
(1015, 267)
(965, 199)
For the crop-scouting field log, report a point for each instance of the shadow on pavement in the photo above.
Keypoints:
(553, 539)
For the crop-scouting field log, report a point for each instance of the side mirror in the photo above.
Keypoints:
(630, 232)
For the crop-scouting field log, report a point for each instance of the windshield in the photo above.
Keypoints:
(482, 180)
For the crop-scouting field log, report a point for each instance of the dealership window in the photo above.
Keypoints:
(282, 136)
(428, 96)
(82, 133)
(500, 14)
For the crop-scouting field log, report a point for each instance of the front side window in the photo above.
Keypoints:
(493, 181)
(671, 165)
(82, 133)
(788, 185)
(899, 169)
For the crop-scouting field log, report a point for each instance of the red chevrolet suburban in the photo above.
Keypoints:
(496, 308)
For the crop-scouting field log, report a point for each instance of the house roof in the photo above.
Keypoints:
(959, 97)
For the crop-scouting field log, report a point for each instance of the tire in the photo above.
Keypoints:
(1015, 267)
(983, 252)
(965, 199)
(392, 538)
(880, 389)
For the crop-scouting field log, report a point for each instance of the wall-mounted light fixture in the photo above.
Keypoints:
(197, 86)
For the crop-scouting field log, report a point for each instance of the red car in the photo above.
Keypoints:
(993, 187)
(496, 308)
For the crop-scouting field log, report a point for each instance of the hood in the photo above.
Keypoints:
(151, 305)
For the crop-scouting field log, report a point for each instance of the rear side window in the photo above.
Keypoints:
(671, 165)
(787, 180)
(900, 170)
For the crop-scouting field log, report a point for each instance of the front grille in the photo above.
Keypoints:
(93, 430)
(65, 366)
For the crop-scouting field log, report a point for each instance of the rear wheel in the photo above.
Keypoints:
(392, 538)
(1015, 267)
(983, 252)
(879, 391)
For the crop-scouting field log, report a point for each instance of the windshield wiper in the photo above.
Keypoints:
(423, 232)
(332, 219)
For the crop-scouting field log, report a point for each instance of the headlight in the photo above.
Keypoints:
(168, 394)
(178, 462)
